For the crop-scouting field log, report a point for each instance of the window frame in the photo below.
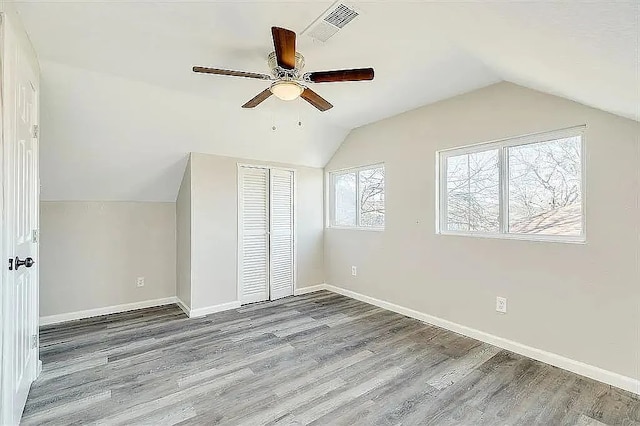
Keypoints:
(502, 146)
(331, 175)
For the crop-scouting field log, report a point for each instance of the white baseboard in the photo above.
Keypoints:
(614, 379)
(213, 309)
(191, 313)
(185, 308)
(89, 313)
(309, 289)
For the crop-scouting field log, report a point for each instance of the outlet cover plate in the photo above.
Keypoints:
(501, 304)
(140, 282)
(354, 271)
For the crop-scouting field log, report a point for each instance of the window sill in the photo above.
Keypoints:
(356, 228)
(519, 237)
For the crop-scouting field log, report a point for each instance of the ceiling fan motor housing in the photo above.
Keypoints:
(283, 73)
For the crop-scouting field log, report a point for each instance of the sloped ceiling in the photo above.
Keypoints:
(121, 109)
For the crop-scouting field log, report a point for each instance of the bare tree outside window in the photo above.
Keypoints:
(358, 198)
(372, 197)
(545, 191)
(473, 192)
(527, 186)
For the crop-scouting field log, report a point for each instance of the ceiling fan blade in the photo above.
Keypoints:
(258, 99)
(231, 73)
(284, 42)
(316, 100)
(340, 75)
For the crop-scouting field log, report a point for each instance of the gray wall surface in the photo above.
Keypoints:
(581, 301)
(91, 254)
(183, 239)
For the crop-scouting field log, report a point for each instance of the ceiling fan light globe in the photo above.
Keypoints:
(286, 90)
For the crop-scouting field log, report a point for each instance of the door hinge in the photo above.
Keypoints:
(35, 236)
(34, 341)
(36, 131)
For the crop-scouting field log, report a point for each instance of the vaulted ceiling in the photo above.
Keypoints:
(121, 108)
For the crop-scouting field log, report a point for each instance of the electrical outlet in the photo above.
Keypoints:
(140, 282)
(354, 271)
(501, 304)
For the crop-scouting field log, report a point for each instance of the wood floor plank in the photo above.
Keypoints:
(58, 410)
(313, 411)
(587, 421)
(320, 359)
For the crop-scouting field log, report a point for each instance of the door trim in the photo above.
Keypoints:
(239, 222)
(3, 255)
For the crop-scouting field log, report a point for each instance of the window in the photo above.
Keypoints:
(357, 198)
(529, 188)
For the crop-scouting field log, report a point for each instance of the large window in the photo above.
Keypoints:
(529, 188)
(357, 198)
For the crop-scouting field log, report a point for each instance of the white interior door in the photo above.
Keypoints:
(253, 242)
(20, 224)
(281, 259)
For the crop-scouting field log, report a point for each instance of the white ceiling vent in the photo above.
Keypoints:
(341, 16)
(331, 21)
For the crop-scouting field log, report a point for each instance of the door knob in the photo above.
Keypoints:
(28, 262)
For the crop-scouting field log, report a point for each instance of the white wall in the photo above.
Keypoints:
(183, 239)
(92, 252)
(578, 301)
(214, 229)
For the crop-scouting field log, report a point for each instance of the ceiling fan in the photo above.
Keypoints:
(289, 82)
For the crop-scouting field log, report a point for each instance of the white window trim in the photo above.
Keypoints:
(331, 198)
(500, 145)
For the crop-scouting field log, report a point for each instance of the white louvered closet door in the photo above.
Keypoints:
(282, 247)
(253, 193)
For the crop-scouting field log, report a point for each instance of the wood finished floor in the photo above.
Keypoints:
(317, 359)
